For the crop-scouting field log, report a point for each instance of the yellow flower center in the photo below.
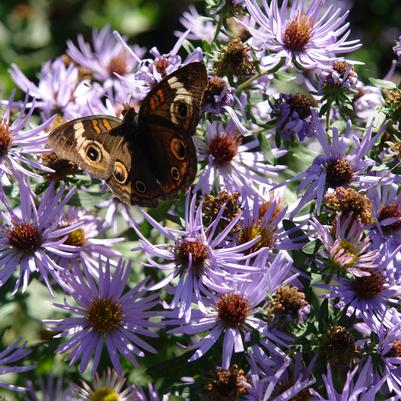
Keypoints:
(105, 394)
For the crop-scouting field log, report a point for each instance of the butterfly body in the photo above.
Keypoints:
(148, 155)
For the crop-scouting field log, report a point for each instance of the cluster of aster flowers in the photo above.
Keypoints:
(277, 276)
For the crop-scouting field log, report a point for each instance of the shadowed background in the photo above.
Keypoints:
(36, 30)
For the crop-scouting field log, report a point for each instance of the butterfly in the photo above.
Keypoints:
(148, 156)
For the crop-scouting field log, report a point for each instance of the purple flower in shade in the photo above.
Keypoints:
(349, 249)
(152, 71)
(59, 89)
(17, 143)
(219, 96)
(369, 295)
(234, 315)
(30, 237)
(85, 238)
(199, 27)
(386, 210)
(51, 389)
(234, 161)
(106, 57)
(363, 388)
(104, 313)
(368, 98)
(307, 37)
(140, 395)
(337, 167)
(293, 112)
(277, 378)
(201, 260)
(388, 331)
(9, 355)
(397, 48)
(109, 386)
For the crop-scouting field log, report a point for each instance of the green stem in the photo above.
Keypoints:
(328, 116)
(218, 28)
(246, 83)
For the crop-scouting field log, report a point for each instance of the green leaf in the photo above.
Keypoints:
(383, 84)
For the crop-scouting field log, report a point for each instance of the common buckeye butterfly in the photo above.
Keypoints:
(148, 155)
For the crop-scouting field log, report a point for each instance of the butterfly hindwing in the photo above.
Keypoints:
(88, 142)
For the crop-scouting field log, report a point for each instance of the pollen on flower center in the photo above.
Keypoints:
(393, 210)
(348, 250)
(301, 104)
(5, 139)
(197, 250)
(338, 345)
(161, 65)
(339, 172)
(233, 309)
(215, 86)
(224, 147)
(367, 287)
(104, 394)
(227, 385)
(118, 64)
(76, 238)
(104, 315)
(298, 32)
(288, 300)
(250, 231)
(25, 237)
(395, 351)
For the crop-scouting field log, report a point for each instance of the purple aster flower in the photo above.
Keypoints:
(233, 161)
(363, 388)
(293, 112)
(59, 89)
(201, 259)
(9, 355)
(397, 48)
(368, 295)
(234, 315)
(219, 96)
(367, 99)
(337, 167)
(30, 237)
(86, 239)
(386, 210)
(199, 27)
(349, 249)
(263, 216)
(17, 143)
(306, 37)
(50, 389)
(341, 75)
(105, 314)
(277, 378)
(387, 327)
(109, 386)
(153, 70)
(105, 57)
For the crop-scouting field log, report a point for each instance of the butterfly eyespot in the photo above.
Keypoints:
(93, 152)
(182, 110)
(175, 173)
(178, 149)
(120, 172)
(140, 186)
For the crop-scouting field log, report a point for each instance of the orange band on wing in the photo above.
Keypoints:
(160, 95)
(106, 124)
(95, 126)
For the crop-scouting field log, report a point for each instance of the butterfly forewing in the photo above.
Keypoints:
(177, 98)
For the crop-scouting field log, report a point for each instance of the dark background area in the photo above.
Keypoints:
(34, 31)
